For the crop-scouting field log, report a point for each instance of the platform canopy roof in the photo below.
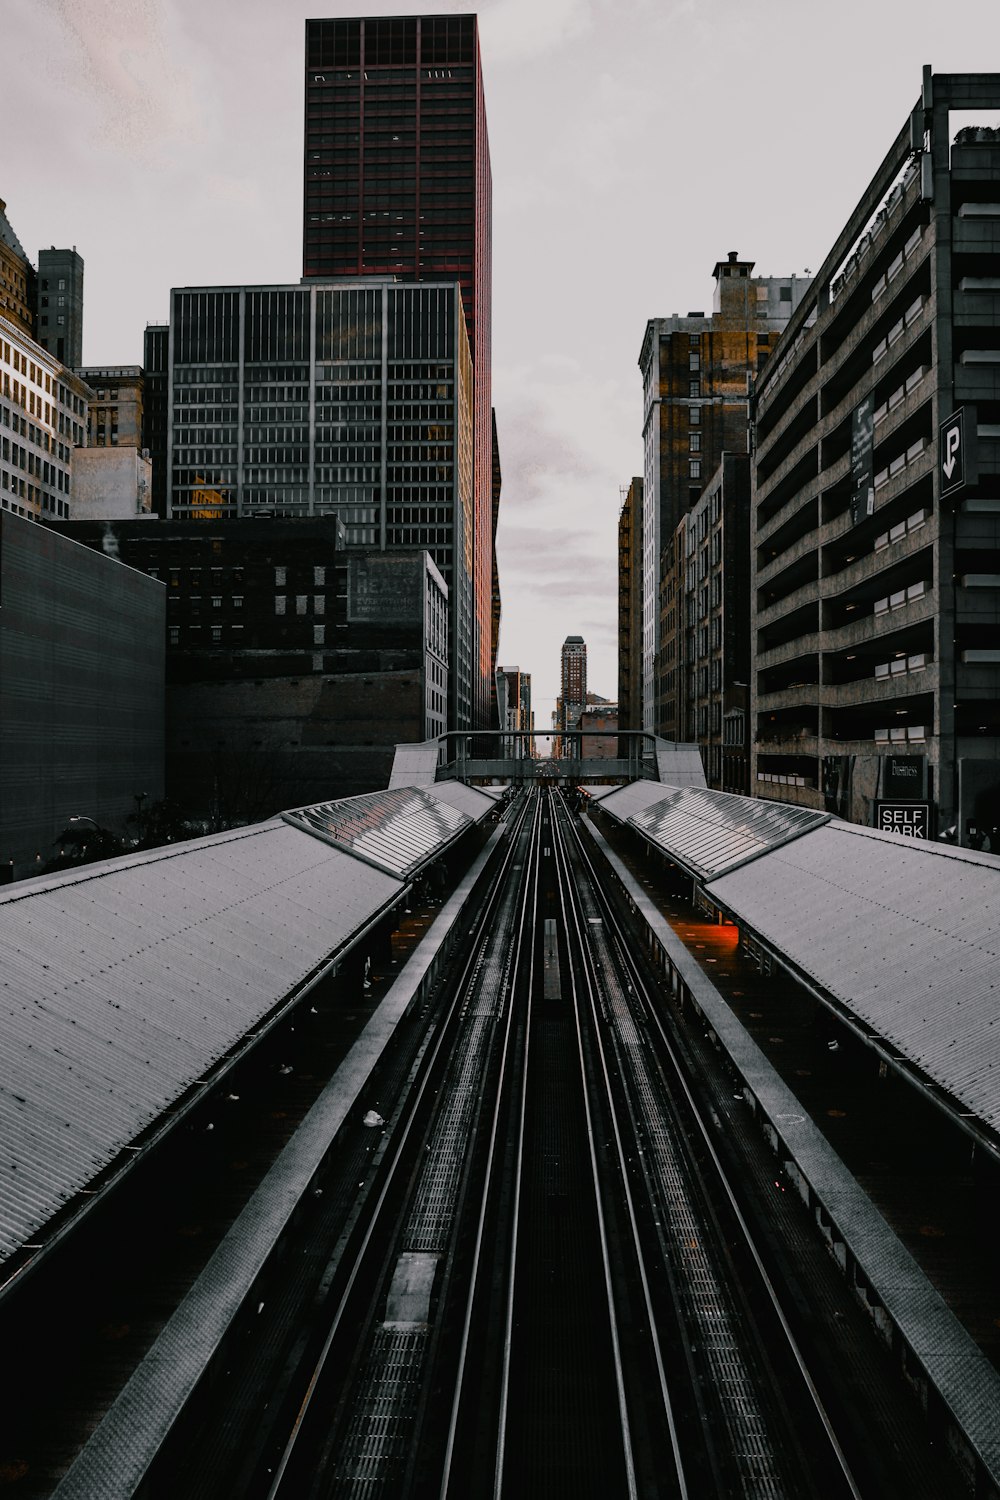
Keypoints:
(904, 934)
(125, 985)
(707, 832)
(399, 830)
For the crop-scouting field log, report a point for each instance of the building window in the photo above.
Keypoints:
(694, 415)
(695, 441)
(694, 388)
(301, 603)
(694, 468)
(216, 633)
(279, 603)
(694, 361)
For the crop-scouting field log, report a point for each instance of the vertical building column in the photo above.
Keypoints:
(384, 458)
(240, 371)
(312, 401)
(168, 478)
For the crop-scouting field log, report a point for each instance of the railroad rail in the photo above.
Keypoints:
(553, 1282)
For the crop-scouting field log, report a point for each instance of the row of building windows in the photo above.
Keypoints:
(300, 603)
(37, 498)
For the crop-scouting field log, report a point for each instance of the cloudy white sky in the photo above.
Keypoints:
(634, 143)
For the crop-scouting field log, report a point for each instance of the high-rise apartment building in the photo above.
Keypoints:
(573, 679)
(630, 608)
(43, 417)
(397, 183)
(347, 398)
(60, 304)
(697, 373)
(876, 533)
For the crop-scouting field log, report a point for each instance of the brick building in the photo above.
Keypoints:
(697, 374)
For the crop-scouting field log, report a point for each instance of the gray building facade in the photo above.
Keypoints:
(350, 398)
(875, 533)
(81, 691)
(60, 304)
(294, 666)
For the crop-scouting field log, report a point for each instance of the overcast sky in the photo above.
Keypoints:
(634, 143)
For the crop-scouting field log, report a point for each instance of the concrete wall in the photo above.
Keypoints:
(81, 690)
(110, 484)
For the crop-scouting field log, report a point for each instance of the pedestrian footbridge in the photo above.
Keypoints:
(509, 756)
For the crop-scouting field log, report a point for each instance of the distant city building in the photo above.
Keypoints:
(18, 293)
(43, 418)
(514, 707)
(709, 594)
(111, 484)
(572, 698)
(81, 691)
(294, 667)
(573, 677)
(114, 418)
(397, 183)
(596, 724)
(630, 608)
(60, 305)
(875, 537)
(348, 398)
(697, 374)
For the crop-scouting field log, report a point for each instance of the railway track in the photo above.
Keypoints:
(553, 1288)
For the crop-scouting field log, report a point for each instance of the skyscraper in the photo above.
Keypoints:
(397, 183)
(60, 304)
(697, 373)
(351, 398)
(573, 695)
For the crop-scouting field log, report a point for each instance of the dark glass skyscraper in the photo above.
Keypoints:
(397, 183)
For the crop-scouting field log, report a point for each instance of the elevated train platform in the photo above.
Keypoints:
(848, 978)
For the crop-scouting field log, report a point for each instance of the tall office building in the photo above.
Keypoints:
(347, 398)
(397, 183)
(875, 531)
(573, 679)
(60, 304)
(630, 608)
(697, 374)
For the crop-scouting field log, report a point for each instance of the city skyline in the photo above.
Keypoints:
(155, 125)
